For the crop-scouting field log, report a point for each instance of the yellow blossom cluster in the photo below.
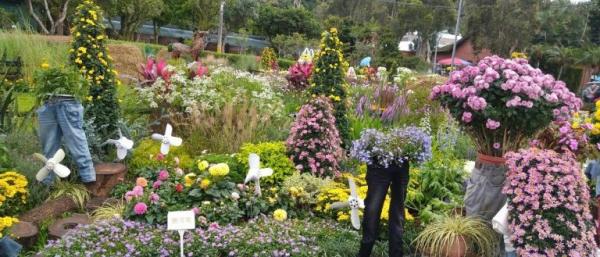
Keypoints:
(280, 215)
(596, 123)
(519, 55)
(6, 223)
(12, 185)
(219, 170)
(339, 192)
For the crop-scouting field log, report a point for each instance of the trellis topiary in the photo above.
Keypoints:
(314, 142)
(89, 54)
(328, 80)
(268, 60)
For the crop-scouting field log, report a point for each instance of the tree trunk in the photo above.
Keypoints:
(36, 18)
(560, 72)
(156, 31)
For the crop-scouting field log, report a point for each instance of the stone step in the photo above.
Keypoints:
(25, 233)
(62, 226)
(108, 175)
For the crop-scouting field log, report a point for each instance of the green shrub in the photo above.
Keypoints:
(272, 155)
(147, 154)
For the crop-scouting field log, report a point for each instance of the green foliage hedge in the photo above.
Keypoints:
(272, 155)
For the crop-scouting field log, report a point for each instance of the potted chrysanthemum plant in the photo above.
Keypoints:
(501, 104)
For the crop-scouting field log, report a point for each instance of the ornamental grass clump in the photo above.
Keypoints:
(503, 102)
(89, 53)
(328, 80)
(314, 142)
(548, 205)
(395, 147)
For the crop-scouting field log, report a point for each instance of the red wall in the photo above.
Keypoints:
(465, 51)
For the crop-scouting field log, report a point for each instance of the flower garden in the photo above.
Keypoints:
(263, 155)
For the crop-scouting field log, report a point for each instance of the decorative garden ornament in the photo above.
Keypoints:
(255, 172)
(306, 56)
(365, 62)
(167, 140)
(351, 74)
(354, 202)
(123, 145)
(52, 165)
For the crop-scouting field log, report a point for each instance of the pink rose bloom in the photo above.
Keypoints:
(163, 175)
(140, 208)
(137, 191)
(154, 198)
(492, 124)
(179, 171)
(156, 184)
(467, 117)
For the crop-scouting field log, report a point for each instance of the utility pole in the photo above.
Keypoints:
(456, 30)
(437, 42)
(220, 42)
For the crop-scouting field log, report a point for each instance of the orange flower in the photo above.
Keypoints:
(141, 182)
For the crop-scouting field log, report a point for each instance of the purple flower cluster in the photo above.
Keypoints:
(392, 148)
(548, 205)
(388, 103)
(261, 237)
(314, 142)
(504, 100)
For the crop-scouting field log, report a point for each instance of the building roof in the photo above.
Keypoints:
(148, 29)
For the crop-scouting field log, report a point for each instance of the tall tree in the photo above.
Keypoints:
(49, 21)
(203, 14)
(562, 23)
(132, 13)
(274, 21)
(561, 56)
(427, 17)
(240, 13)
(594, 22)
(502, 26)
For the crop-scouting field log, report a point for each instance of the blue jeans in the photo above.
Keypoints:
(511, 254)
(62, 120)
(593, 173)
(9, 248)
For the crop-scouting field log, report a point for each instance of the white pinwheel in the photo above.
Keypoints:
(52, 165)
(123, 145)
(255, 172)
(354, 202)
(167, 139)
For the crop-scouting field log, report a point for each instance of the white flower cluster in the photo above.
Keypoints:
(224, 85)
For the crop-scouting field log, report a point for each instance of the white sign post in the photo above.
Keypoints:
(181, 221)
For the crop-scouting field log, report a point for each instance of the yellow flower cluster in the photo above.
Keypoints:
(219, 170)
(189, 179)
(596, 123)
(339, 192)
(280, 215)
(204, 183)
(520, 55)
(6, 223)
(202, 165)
(12, 185)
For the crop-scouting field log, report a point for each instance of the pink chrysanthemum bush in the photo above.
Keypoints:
(548, 205)
(314, 141)
(504, 102)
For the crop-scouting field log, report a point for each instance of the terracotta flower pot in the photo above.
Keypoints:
(458, 248)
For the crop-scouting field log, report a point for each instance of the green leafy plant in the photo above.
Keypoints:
(445, 237)
(109, 210)
(51, 81)
(76, 192)
(328, 80)
(147, 155)
(435, 188)
(272, 155)
(89, 53)
(268, 60)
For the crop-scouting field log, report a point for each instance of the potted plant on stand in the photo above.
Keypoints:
(387, 156)
(501, 103)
